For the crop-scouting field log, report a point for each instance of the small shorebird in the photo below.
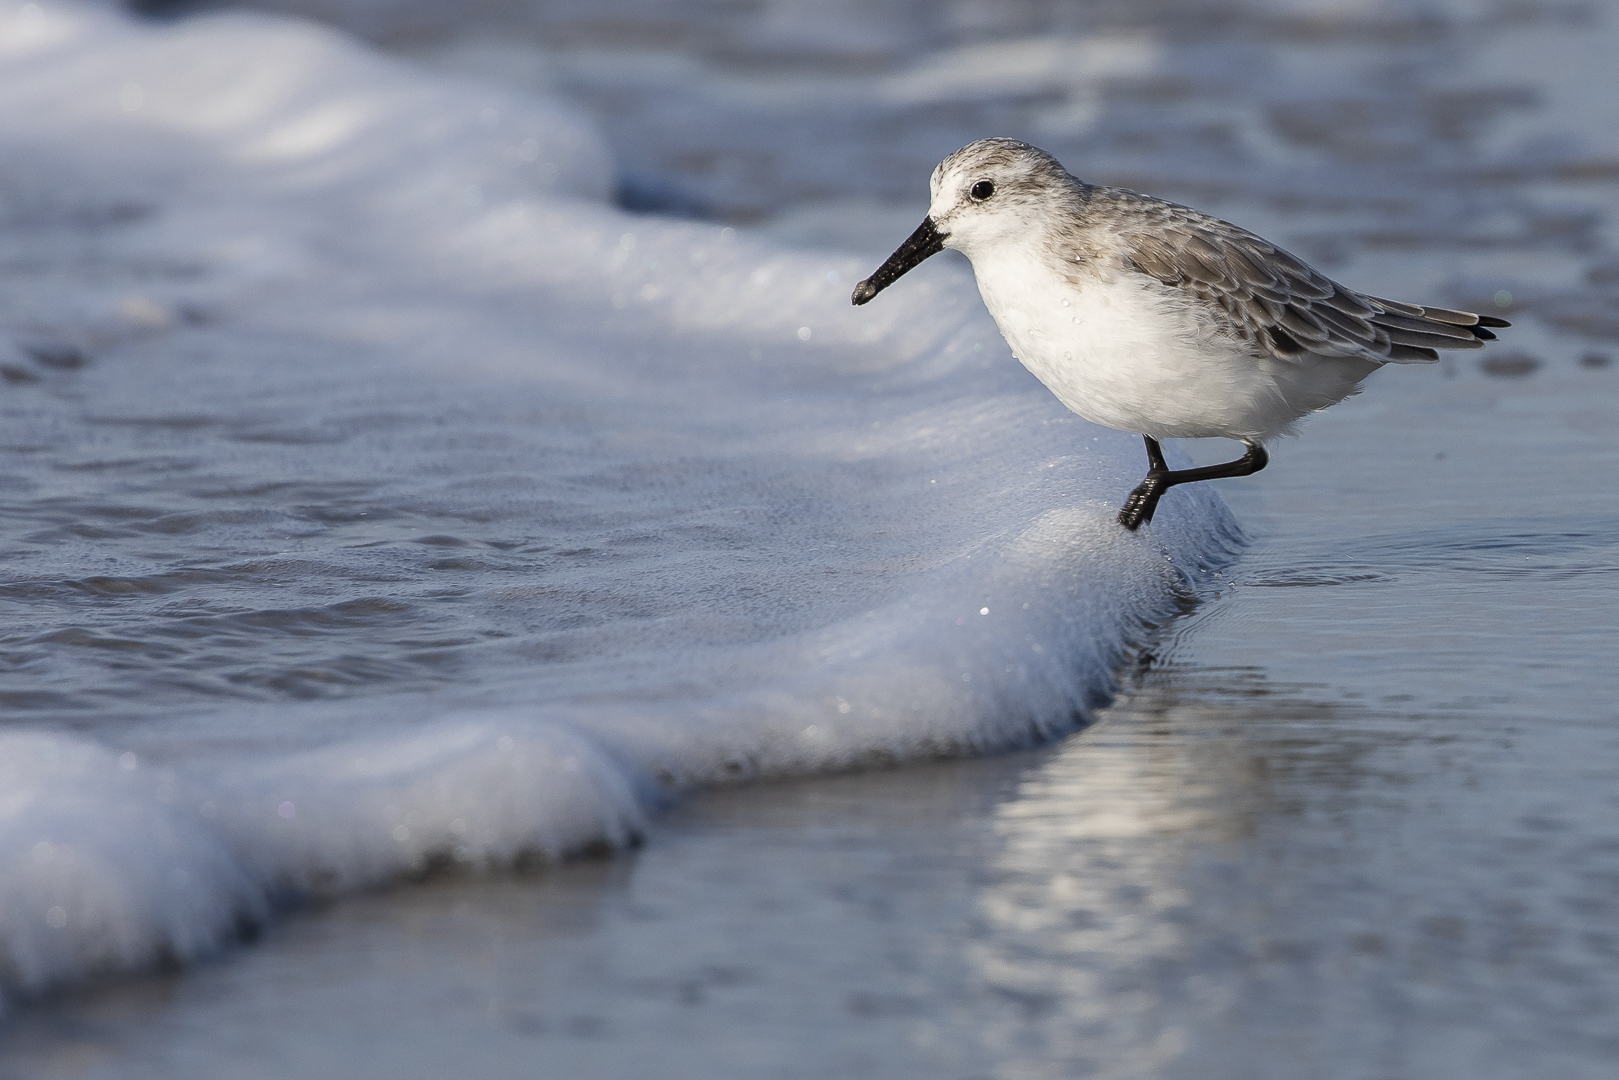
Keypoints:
(1146, 316)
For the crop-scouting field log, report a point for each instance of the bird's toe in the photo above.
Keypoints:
(1142, 502)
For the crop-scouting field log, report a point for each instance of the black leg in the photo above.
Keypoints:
(1155, 456)
(1143, 500)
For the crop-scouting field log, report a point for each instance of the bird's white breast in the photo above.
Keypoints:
(1128, 352)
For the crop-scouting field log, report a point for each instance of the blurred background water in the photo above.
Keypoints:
(1353, 817)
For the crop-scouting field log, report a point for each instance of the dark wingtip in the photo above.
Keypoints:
(1491, 320)
(863, 293)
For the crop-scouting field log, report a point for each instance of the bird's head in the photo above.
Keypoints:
(993, 191)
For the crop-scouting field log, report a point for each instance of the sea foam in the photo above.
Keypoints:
(779, 535)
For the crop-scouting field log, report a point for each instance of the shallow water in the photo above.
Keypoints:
(1354, 817)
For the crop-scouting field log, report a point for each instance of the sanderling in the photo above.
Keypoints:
(1146, 316)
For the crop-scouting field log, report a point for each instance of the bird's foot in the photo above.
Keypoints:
(1143, 500)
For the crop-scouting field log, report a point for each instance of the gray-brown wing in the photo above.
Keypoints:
(1276, 301)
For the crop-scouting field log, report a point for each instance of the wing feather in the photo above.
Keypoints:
(1302, 328)
(1407, 354)
(1272, 298)
(1461, 335)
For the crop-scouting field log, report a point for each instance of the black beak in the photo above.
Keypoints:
(925, 241)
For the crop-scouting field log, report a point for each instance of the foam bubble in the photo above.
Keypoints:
(103, 868)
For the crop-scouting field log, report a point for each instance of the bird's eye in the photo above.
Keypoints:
(982, 190)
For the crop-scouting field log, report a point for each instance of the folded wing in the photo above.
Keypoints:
(1276, 301)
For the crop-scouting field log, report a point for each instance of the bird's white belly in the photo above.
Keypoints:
(1127, 352)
